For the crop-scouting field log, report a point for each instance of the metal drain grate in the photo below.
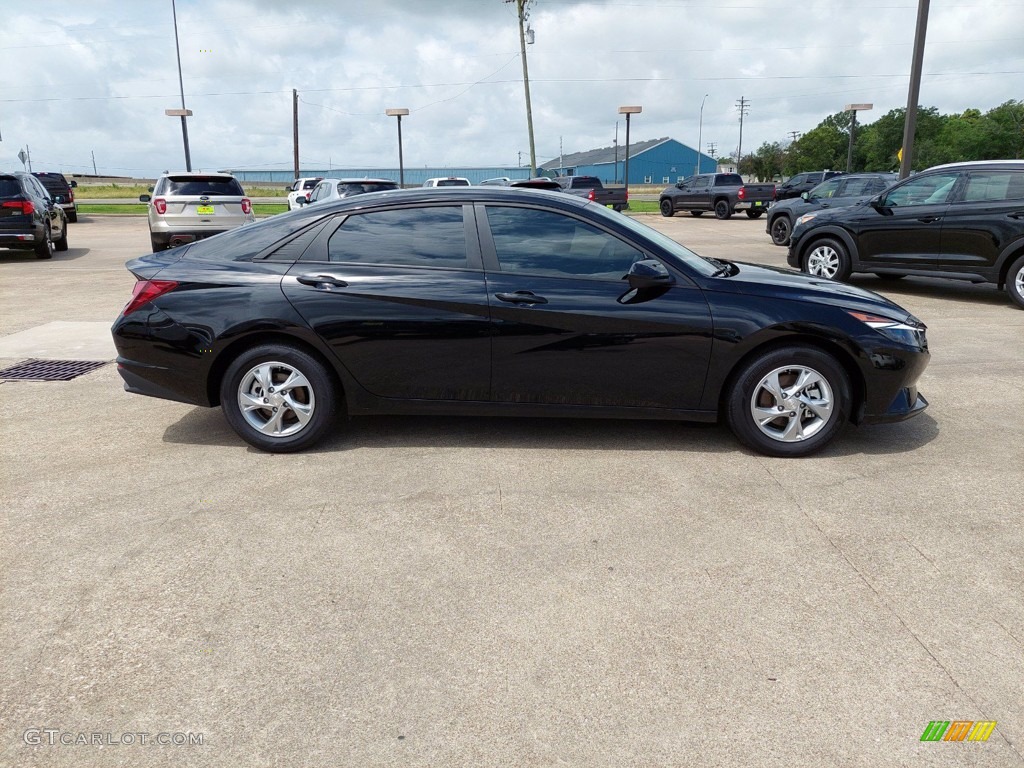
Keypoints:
(50, 370)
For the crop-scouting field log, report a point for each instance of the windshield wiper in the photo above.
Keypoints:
(725, 269)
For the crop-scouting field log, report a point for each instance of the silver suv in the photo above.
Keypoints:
(190, 206)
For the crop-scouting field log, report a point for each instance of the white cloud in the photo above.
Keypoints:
(81, 77)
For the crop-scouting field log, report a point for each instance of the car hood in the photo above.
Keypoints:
(772, 282)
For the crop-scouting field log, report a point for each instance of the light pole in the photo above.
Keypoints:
(854, 108)
(627, 111)
(700, 133)
(399, 113)
(182, 113)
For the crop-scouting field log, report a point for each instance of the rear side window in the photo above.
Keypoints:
(364, 187)
(857, 187)
(421, 237)
(728, 180)
(813, 178)
(212, 186)
(549, 243)
(9, 187)
(994, 186)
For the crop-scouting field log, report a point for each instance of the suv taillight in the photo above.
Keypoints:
(246, 205)
(161, 205)
(145, 291)
(25, 206)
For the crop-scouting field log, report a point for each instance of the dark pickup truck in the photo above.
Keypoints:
(723, 193)
(591, 188)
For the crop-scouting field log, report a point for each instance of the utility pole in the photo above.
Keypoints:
(742, 105)
(712, 146)
(28, 153)
(910, 120)
(183, 112)
(93, 152)
(295, 131)
(521, 12)
(616, 174)
(794, 135)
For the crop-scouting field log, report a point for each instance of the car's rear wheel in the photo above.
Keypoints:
(44, 248)
(780, 229)
(667, 209)
(62, 243)
(827, 258)
(73, 216)
(279, 398)
(754, 213)
(1015, 282)
(157, 246)
(789, 402)
(722, 209)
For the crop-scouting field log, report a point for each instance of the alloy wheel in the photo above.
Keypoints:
(276, 399)
(792, 403)
(823, 261)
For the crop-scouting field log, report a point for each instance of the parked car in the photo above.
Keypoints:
(591, 188)
(837, 192)
(190, 206)
(301, 188)
(448, 181)
(963, 221)
(327, 190)
(802, 182)
(723, 193)
(30, 219)
(506, 302)
(58, 186)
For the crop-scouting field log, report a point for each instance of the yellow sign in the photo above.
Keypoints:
(899, 154)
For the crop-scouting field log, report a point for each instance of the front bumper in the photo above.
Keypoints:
(907, 404)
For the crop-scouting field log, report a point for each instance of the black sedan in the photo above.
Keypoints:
(505, 302)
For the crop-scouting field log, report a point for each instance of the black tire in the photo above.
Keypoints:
(44, 248)
(1015, 282)
(754, 213)
(780, 228)
(157, 247)
(317, 399)
(667, 208)
(73, 217)
(697, 214)
(888, 276)
(62, 244)
(827, 257)
(722, 209)
(783, 435)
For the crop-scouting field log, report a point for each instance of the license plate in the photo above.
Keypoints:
(204, 210)
(758, 204)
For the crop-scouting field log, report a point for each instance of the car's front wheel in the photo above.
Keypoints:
(789, 402)
(828, 258)
(780, 229)
(1015, 282)
(279, 398)
(667, 209)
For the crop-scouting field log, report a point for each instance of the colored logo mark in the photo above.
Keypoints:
(958, 730)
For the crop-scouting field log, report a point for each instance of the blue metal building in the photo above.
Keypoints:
(658, 161)
(414, 177)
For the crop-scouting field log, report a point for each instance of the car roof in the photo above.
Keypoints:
(197, 174)
(366, 181)
(1005, 164)
(455, 195)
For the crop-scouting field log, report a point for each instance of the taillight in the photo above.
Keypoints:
(591, 195)
(71, 195)
(308, 194)
(145, 291)
(24, 206)
(246, 205)
(161, 205)
(742, 193)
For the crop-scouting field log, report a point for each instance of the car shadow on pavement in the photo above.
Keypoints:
(14, 257)
(934, 288)
(207, 426)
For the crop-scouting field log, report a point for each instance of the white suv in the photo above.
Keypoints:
(190, 206)
(301, 188)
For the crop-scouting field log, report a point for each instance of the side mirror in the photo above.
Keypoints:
(301, 201)
(144, 198)
(58, 199)
(648, 273)
(876, 202)
(74, 183)
(805, 195)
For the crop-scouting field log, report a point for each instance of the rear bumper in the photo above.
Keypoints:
(180, 237)
(756, 205)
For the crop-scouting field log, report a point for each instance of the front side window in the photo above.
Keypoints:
(701, 182)
(824, 190)
(553, 244)
(994, 186)
(422, 237)
(923, 190)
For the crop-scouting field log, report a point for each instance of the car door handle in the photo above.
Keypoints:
(521, 297)
(929, 219)
(1015, 215)
(322, 281)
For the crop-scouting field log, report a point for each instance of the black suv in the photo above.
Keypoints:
(30, 220)
(803, 182)
(837, 192)
(964, 221)
(61, 188)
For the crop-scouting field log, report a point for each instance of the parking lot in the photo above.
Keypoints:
(470, 591)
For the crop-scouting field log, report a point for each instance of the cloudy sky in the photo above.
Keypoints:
(78, 78)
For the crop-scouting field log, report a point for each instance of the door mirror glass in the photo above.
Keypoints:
(648, 273)
(804, 195)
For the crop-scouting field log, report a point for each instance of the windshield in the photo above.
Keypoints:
(684, 254)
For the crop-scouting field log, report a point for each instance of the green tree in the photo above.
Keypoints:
(766, 163)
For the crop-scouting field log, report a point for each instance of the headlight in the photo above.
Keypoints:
(910, 333)
(807, 217)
